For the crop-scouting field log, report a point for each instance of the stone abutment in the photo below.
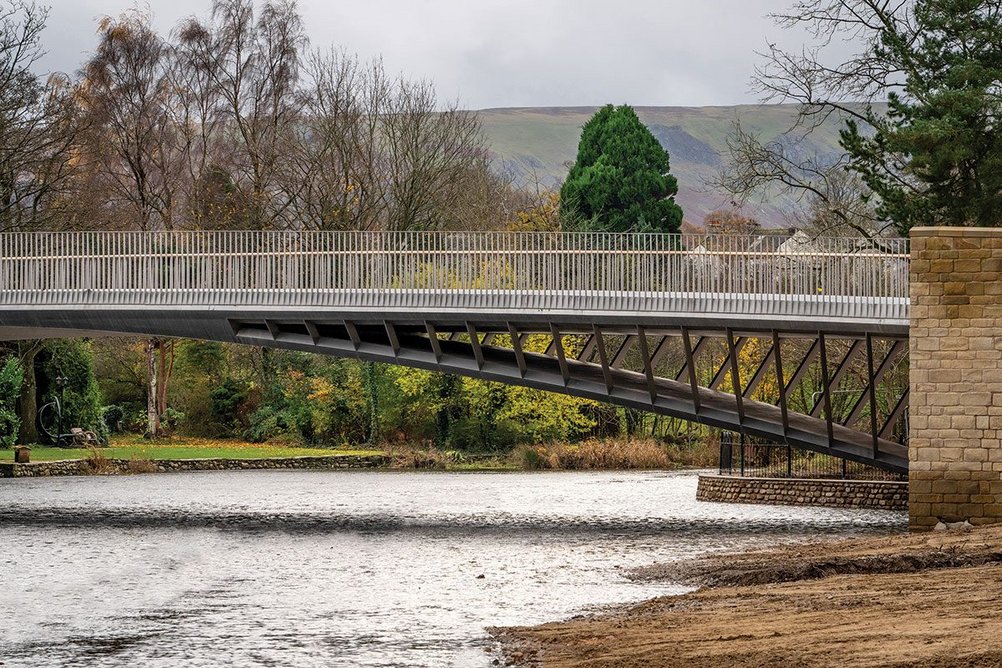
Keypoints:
(955, 351)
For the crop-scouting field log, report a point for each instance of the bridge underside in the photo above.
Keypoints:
(835, 390)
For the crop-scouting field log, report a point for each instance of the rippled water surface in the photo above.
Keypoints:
(277, 568)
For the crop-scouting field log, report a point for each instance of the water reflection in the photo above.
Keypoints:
(344, 568)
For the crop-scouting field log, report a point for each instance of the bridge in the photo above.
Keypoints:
(798, 341)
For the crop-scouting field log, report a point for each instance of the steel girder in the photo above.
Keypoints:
(628, 366)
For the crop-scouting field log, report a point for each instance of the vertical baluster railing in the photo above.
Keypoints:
(640, 272)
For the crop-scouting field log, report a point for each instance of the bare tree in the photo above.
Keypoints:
(427, 151)
(138, 151)
(372, 152)
(487, 196)
(826, 92)
(256, 66)
(833, 201)
(131, 136)
(38, 124)
(209, 195)
(332, 177)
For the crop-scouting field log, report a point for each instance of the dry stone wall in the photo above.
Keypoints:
(112, 466)
(863, 494)
(955, 412)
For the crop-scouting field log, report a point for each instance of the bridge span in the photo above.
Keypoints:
(796, 340)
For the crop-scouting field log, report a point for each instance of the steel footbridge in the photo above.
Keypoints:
(799, 341)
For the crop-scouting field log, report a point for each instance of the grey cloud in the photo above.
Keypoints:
(497, 53)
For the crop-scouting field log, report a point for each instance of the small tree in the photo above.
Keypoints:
(620, 181)
(81, 398)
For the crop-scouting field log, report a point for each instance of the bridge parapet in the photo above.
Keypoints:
(583, 272)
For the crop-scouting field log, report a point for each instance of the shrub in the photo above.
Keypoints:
(81, 398)
(169, 420)
(114, 418)
(478, 434)
(11, 377)
(96, 462)
(225, 399)
(269, 422)
(530, 457)
(138, 465)
(595, 455)
(417, 458)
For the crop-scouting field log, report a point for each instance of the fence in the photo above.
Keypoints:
(552, 271)
(740, 455)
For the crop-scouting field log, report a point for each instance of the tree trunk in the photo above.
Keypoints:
(164, 372)
(27, 402)
(634, 420)
(152, 415)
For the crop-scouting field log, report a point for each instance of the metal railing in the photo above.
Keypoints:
(459, 270)
(753, 458)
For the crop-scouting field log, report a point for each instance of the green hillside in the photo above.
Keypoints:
(542, 142)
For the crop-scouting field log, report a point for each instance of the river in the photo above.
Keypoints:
(313, 568)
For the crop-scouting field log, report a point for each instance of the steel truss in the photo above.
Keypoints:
(677, 371)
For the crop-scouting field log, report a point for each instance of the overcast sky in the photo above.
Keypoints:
(507, 53)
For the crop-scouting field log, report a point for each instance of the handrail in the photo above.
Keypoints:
(458, 270)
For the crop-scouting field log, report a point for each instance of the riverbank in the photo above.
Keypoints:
(137, 448)
(133, 454)
(903, 601)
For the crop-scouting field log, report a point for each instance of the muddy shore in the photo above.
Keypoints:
(914, 600)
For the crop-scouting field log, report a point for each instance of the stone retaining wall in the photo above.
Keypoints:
(116, 466)
(863, 494)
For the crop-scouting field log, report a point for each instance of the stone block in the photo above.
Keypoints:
(956, 383)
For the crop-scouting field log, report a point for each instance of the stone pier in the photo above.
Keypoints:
(955, 413)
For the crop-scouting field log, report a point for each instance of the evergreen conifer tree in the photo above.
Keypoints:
(620, 181)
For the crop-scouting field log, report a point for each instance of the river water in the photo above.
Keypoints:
(276, 568)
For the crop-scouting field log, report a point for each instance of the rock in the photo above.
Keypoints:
(940, 527)
(959, 526)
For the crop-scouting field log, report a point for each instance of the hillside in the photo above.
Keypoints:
(543, 142)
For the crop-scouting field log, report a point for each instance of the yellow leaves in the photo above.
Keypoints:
(322, 390)
(545, 416)
(749, 359)
(544, 217)
(495, 274)
(414, 382)
(492, 274)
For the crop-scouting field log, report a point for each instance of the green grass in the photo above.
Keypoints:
(183, 448)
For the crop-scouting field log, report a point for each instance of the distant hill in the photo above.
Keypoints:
(543, 141)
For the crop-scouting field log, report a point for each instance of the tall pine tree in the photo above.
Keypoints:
(620, 181)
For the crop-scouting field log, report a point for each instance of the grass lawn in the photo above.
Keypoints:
(135, 447)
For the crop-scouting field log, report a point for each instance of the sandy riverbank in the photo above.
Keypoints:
(929, 600)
